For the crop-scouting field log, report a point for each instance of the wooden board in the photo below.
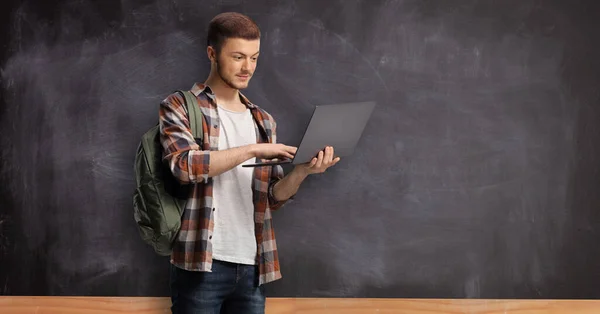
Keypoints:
(106, 305)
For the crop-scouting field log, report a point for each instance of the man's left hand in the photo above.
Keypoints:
(320, 163)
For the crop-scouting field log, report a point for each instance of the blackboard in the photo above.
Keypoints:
(477, 175)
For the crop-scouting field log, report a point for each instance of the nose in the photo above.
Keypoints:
(248, 65)
(245, 65)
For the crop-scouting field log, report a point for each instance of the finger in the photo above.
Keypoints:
(325, 162)
(319, 160)
(325, 153)
(328, 158)
(288, 155)
(328, 155)
(285, 152)
(290, 149)
(313, 162)
(335, 161)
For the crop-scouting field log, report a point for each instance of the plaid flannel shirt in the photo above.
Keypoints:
(189, 163)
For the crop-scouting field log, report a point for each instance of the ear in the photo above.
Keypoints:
(212, 54)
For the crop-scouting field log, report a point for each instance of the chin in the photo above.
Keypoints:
(241, 85)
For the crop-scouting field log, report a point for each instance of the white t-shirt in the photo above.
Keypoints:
(233, 239)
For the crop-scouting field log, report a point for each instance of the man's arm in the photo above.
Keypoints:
(281, 188)
(188, 162)
(289, 185)
(225, 160)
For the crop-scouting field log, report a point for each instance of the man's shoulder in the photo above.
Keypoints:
(177, 99)
(265, 114)
(174, 100)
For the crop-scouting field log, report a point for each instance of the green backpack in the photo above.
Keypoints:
(159, 199)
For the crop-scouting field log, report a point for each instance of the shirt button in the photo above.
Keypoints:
(213, 209)
(210, 238)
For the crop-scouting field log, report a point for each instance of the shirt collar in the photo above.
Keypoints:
(199, 88)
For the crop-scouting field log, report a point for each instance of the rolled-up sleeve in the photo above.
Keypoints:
(186, 160)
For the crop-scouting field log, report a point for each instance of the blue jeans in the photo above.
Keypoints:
(229, 288)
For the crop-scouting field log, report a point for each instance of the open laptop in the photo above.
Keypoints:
(338, 125)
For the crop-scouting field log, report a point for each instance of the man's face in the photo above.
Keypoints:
(237, 61)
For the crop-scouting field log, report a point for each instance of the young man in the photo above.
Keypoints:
(226, 248)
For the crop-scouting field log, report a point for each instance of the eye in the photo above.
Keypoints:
(237, 57)
(254, 59)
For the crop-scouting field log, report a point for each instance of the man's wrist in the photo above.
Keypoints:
(300, 172)
(251, 151)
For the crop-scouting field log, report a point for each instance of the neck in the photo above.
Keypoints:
(225, 95)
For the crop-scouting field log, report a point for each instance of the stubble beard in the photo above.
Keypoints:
(229, 82)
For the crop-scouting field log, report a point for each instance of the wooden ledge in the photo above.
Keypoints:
(149, 305)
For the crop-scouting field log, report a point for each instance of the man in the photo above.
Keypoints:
(226, 248)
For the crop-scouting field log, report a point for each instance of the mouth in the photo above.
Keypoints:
(243, 76)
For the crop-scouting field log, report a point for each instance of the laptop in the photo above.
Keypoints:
(337, 125)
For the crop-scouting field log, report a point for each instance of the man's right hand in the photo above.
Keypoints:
(271, 151)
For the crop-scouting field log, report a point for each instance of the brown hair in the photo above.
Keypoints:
(230, 25)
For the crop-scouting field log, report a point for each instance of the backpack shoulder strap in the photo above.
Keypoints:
(194, 115)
